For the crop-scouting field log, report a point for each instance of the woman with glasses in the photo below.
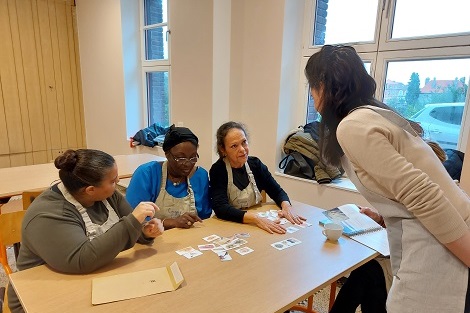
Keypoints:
(237, 179)
(178, 187)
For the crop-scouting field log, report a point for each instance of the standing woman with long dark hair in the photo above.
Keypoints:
(426, 213)
(82, 223)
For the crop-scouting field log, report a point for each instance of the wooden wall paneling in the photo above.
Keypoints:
(4, 161)
(4, 146)
(31, 76)
(65, 66)
(79, 77)
(18, 159)
(9, 83)
(42, 83)
(40, 157)
(50, 105)
(20, 77)
(74, 70)
(57, 74)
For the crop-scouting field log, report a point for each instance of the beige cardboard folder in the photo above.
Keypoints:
(135, 285)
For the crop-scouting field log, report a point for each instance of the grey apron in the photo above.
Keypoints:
(92, 230)
(171, 207)
(242, 199)
(426, 276)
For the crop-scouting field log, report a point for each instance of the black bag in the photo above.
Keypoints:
(296, 164)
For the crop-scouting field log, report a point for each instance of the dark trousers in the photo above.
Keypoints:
(467, 298)
(365, 286)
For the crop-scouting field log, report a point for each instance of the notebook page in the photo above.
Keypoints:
(376, 240)
(356, 220)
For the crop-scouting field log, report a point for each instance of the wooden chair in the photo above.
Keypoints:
(10, 234)
(28, 197)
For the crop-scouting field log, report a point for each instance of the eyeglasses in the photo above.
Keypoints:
(181, 161)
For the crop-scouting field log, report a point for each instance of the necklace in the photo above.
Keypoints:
(178, 182)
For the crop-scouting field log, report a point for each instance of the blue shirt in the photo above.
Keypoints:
(146, 181)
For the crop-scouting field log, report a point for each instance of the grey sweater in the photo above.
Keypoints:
(54, 233)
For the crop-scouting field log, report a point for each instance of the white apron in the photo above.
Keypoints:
(426, 276)
(92, 230)
(242, 199)
(171, 207)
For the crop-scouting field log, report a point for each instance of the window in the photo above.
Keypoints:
(417, 51)
(155, 61)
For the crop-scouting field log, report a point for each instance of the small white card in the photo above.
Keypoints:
(211, 238)
(244, 250)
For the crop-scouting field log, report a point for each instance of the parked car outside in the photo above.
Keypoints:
(441, 123)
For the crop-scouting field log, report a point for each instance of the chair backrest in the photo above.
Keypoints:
(263, 196)
(10, 233)
(28, 197)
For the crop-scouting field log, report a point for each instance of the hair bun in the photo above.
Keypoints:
(67, 161)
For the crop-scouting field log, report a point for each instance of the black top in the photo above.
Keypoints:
(219, 184)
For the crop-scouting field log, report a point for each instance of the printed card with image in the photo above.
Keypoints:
(291, 242)
(274, 213)
(279, 245)
(262, 214)
(222, 241)
(211, 238)
(282, 221)
(234, 244)
(185, 250)
(189, 252)
(223, 255)
(291, 229)
(244, 250)
(304, 225)
(242, 235)
(208, 246)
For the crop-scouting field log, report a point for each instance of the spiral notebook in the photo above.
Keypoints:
(359, 227)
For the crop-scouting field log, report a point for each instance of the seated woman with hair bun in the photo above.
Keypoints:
(82, 223)
(177, 186)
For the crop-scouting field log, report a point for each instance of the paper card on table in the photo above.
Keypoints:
(211, 238)
(304, 225)
(136, 284)
(242, 235)
(291, 242)
(234, 244)
(244, 250)
(208, 246)
(222, 241)
(189, 252)
(291, 229)
(222, 254)
(279, 245)
(185, 250)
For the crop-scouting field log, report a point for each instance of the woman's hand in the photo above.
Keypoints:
(183, 221)
(144, 210)
(287, 213)
(373, 214)
(263, 223)
(153, 228)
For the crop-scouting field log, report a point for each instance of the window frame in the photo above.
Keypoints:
(384, 50)
(148, 66)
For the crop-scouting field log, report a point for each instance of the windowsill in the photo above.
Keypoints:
(343, 183)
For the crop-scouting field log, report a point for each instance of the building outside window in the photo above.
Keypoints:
(417, 51)
(156, 65)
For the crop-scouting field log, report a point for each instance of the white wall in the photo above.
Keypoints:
(101, 60)
(229, 60)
